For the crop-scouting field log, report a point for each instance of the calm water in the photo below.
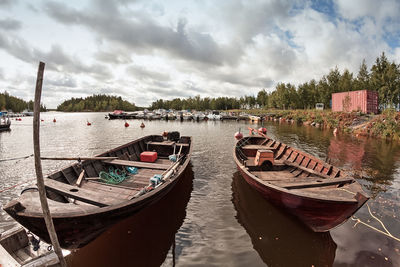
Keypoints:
(212, 217)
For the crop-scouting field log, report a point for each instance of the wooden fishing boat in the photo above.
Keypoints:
(83, 205)
(20, 248)
(320, 195)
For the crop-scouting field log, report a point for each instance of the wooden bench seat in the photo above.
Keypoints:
(166, 143)
(88, 196)
(138, 164)
(315, 183)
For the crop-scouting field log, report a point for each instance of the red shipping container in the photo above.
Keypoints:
(148, 156)
(363, 100)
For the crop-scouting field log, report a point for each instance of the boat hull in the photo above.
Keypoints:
(77, 225)
(77, 231)
(320, 216)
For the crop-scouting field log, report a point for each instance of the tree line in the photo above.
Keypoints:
(96, 103)
(15, 104)
(383, 77)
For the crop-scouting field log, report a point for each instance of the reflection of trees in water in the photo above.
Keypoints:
(373, 160)
(143, 239)
(279, 239)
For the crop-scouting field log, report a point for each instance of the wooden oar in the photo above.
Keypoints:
(78, 158)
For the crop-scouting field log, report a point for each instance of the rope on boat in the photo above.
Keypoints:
(113, 176)
(358, 220)
(25, 157)
(13, 186)
(386, 232)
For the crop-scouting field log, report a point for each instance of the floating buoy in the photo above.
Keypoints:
(263, 130)
(238, 135)
(126, 124)
(142, 125)
(54, 120)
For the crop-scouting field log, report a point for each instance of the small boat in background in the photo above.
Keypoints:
(19, 248)
(87, 197)
(5, 123)
(320, 195)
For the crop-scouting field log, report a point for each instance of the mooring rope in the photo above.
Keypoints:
(13, 186)
(386, 232)
(358, 220)
(25, 157)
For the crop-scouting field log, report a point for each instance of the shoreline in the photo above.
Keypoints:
(384, 125)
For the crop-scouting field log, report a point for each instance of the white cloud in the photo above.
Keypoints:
(145, 50)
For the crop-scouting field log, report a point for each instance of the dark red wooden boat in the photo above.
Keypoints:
(84, 208)
(319, 194)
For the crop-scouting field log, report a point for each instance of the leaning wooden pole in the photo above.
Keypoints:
(38, 168)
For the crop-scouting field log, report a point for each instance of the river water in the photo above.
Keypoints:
(212, 217)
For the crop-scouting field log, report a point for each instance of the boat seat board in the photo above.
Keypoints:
(84, 195)
(166, 143)
(109, 189)
(315, 183)
(6, 260)
(138, 164)
(258, 147)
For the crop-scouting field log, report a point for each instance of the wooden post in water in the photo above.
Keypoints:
(38, 168)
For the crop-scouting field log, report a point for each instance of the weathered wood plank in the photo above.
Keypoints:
(138, 164)
(318, 183)
(88, 196)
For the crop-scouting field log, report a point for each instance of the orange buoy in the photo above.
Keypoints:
(142, 125)
(54, 120)
(263, 130)
(238, 135)
(126, 124)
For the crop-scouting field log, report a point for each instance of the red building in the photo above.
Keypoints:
(363, 100)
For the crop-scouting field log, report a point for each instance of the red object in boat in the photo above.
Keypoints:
(126, 124)
(238, 135)
(263, 130)
(148, 156)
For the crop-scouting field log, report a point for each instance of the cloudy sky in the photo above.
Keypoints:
(146, 50)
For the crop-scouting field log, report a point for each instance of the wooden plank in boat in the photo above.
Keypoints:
(317, 183)
(84, 195)
(138, 164)
(109, 189)
(6, 259)
(166, 143)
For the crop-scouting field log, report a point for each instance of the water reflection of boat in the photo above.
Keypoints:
(143, 239)
(276, 236)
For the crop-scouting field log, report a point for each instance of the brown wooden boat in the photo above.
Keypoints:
(83, 207)
(319, 194)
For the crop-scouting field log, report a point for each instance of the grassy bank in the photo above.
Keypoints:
(385, 125)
